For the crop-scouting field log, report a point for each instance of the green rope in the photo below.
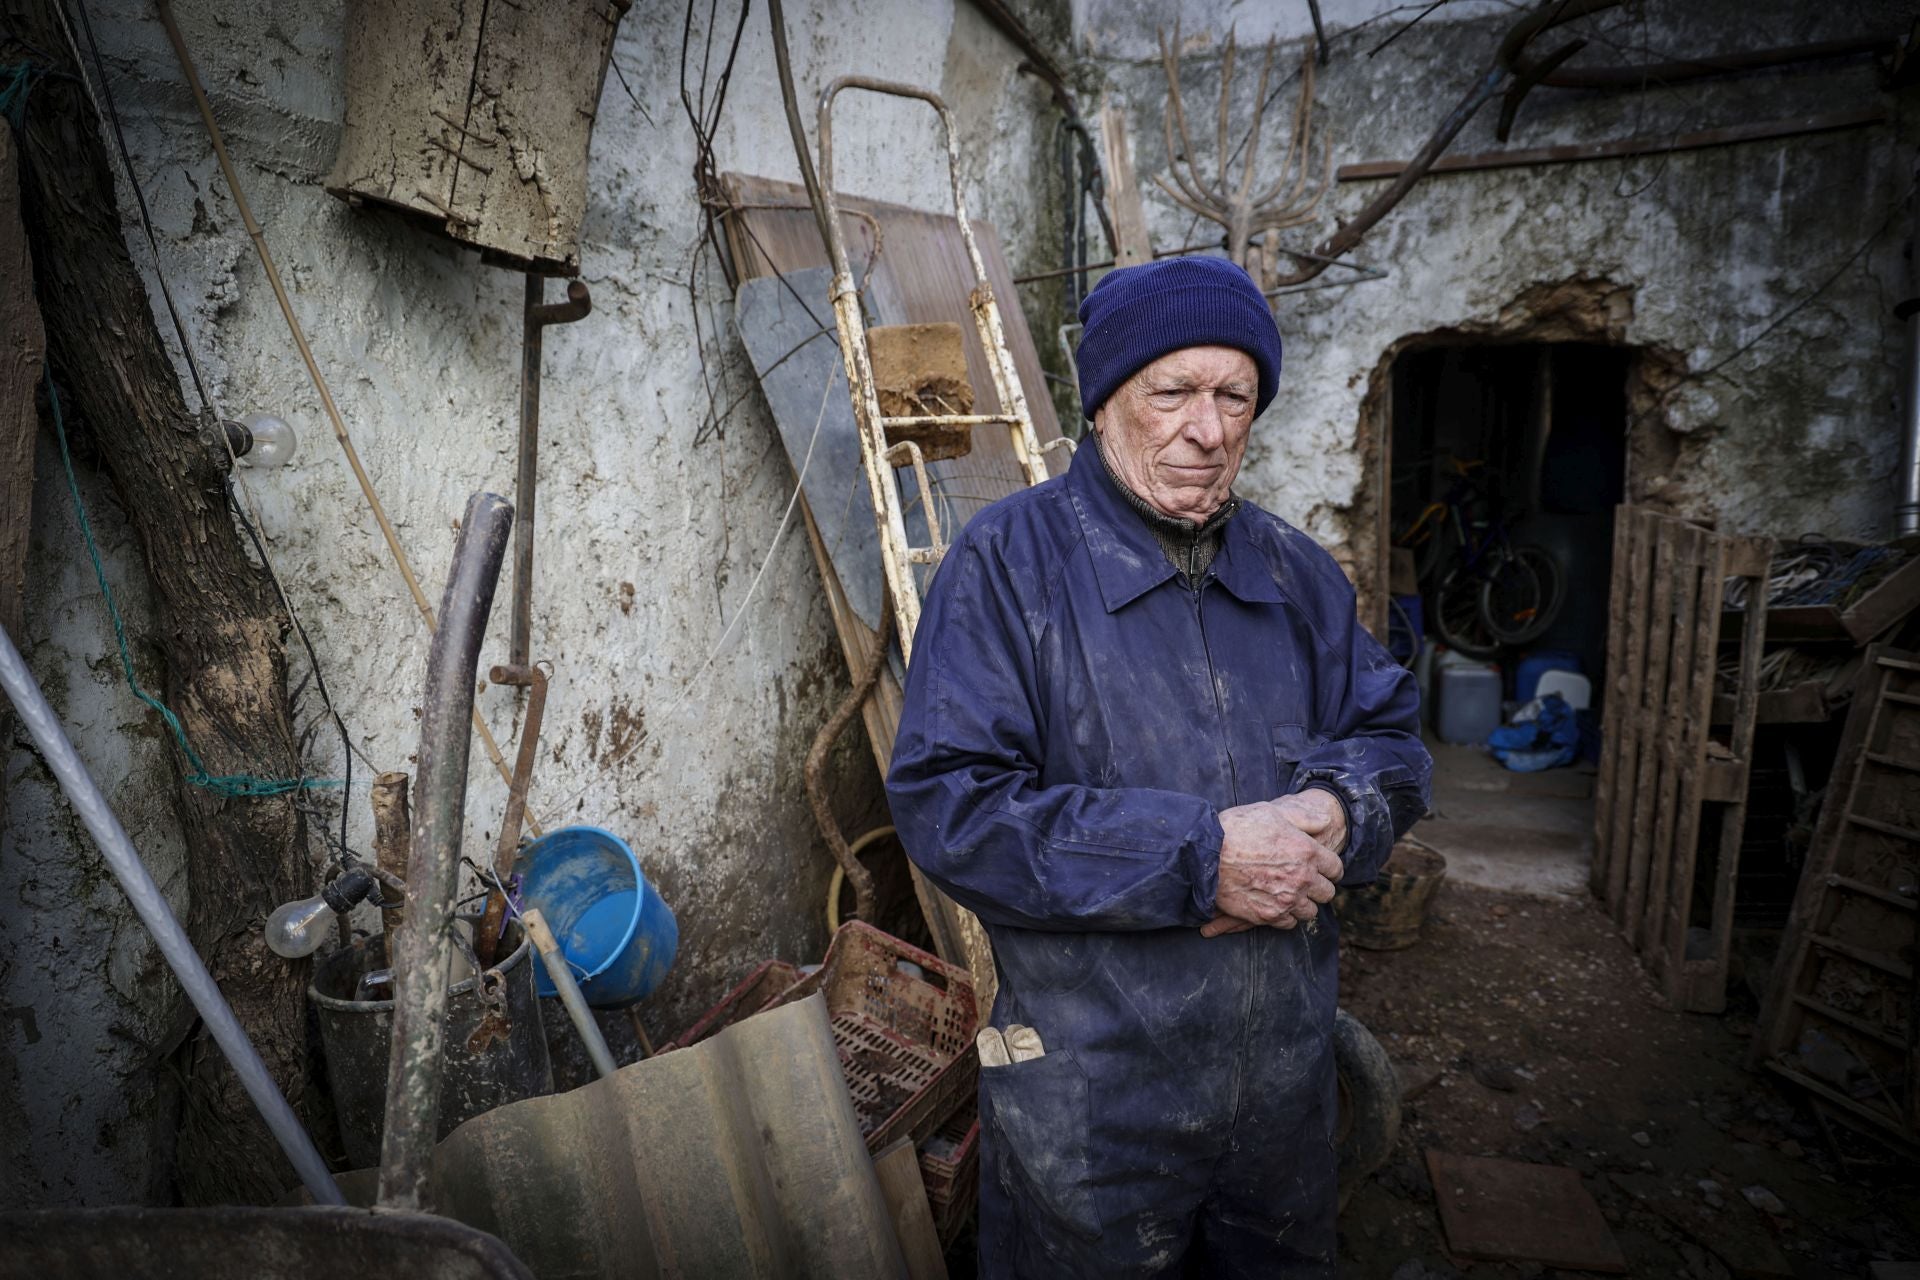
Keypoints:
(230, 784)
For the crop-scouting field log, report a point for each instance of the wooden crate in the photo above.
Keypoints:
(1839, 1018)
(1877, 611)
(1660, 763)
(477, 118)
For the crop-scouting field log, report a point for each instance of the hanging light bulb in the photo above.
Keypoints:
(262, 440)
(296, 929)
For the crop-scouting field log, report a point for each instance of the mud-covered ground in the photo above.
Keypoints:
(1544, 1041)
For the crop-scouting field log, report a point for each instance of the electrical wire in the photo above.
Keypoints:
(112, 115)
(210, 414)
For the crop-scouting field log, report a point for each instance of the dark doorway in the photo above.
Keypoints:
(1511, 454)
(1529, 442)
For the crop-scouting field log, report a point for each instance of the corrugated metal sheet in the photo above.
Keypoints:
(738, 1157)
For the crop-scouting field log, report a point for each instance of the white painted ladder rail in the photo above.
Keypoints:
(878, 458)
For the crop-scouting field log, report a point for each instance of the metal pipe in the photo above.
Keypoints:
(1319, 30)
(568, 990)
(419, 956)
(1907, 514)
(790, 101)
(1619, 148)
(151, 906)
(535, 315)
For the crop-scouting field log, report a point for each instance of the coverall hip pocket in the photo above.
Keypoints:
(1039, 1114)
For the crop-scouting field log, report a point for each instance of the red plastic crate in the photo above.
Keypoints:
(906, 1043)
(757, 991)
(950, 1168)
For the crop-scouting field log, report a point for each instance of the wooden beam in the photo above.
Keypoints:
(1622, 148)
(898, 1168)
(1123, 189)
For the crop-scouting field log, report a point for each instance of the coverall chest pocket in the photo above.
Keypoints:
(1292, 743)
(1039, 1113)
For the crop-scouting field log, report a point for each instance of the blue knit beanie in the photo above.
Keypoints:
(1135, 315)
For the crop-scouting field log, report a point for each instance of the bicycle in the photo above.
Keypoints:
(1492, 593)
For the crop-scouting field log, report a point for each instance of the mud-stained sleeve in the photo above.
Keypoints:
(1373, 759)
(965, 792)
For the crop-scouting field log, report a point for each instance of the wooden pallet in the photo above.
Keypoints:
(1844, 991)
(1660, 765)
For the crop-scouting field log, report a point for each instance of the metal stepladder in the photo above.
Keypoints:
(880, 459)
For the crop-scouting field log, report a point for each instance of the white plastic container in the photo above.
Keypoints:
(1467, 702)
(1573, 687)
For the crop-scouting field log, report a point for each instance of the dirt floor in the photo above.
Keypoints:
(1525, 1029)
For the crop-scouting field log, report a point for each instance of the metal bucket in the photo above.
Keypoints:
(489, 1059)
(615, 930)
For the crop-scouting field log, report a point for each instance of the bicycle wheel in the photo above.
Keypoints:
(1437, 550)
(1402, 641)
(1458, 618)
(1521, 595)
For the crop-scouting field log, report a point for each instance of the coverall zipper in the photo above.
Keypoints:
(1247, 948)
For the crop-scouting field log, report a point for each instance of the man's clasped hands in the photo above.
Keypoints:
(1279, 860)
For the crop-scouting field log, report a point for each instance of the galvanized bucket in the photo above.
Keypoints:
(496, 1051)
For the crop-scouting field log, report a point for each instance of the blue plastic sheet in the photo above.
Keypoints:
(1548, 741)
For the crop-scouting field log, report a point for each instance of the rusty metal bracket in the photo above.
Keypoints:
(536, 315)
(487, 936)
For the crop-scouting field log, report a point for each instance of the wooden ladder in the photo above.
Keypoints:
(958, 934)
(1842, 1016)
(878, 456)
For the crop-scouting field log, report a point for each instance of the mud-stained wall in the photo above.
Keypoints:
(1762, 275)
(652, 530)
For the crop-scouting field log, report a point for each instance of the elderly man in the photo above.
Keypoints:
(1144, 738)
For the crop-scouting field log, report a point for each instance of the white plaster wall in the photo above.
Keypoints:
(648, 540)
(83, 994)
(1797, 435)
(1116, 29)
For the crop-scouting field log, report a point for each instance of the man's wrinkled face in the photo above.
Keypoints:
(1176, 431)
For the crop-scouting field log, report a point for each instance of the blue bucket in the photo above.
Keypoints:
(616, 932)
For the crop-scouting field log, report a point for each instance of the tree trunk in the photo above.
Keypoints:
(219, 626)
(21, 347)
(22, 344)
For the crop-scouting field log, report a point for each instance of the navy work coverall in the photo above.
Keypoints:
(1076, 716)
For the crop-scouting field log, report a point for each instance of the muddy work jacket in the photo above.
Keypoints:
(1077, 715)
